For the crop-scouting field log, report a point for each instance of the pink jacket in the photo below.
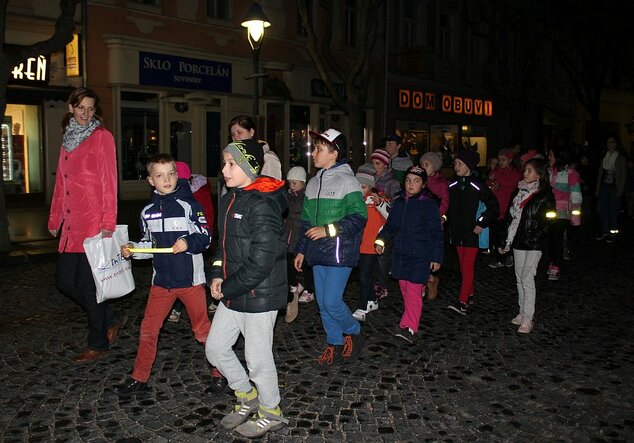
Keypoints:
(85, 195)
(440, 188)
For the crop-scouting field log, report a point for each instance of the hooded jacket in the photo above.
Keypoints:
(166, 219)
(465, 195)
(251, 252)
(334, 200)
(416, 231)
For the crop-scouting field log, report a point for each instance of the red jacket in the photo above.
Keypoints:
(439, 186)
(85, 195)
(372, 228)
(507, 178)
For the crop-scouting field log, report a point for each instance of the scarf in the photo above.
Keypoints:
(609, 161)
(524, 193)
(75, 134)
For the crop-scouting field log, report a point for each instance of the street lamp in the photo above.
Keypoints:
(255, 22)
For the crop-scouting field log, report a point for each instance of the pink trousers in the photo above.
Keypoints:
(413, 301)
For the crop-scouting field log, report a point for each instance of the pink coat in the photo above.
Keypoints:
(85, 195)
(507, 178)
(440, 187)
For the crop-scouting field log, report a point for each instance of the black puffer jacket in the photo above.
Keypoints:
(251, 252)
(532, 231)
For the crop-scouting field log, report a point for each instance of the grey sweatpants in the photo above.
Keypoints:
(257, 329)
(525, 269)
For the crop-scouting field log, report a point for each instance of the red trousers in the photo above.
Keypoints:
(413, 300)
(466, 258)
(159, 305)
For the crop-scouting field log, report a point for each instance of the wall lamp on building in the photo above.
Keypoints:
(256, 22)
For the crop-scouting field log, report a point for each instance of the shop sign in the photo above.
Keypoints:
(183, 72)
(72, 57)
(32, 71)
(318, 88)
(419, 100)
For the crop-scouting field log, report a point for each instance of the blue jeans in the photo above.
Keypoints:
(330, 283)
(608, 205)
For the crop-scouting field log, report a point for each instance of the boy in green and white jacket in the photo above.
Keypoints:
(333, 219)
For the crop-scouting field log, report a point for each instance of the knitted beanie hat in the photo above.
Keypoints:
(248, 155)
(469, 158)
(296, 173)
(433, 158)
(365, 179)
(417, 171)
(381, 155)
(183, 170)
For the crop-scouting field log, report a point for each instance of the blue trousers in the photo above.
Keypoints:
(330, 283)
(608, 206)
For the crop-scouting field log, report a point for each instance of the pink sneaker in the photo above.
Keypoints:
(306, 297)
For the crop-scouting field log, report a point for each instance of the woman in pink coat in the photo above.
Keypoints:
(84, 205)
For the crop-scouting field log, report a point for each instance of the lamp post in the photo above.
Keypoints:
(255, 22)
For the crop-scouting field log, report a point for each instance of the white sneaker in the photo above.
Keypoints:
(306, 297)
(297, 289)
(372, 306)
(174, 317)
(526, 327)
(359, 315)
(518, 319)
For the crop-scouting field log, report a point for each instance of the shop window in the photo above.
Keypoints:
(139, 132)
(415, 137)
(443, 138)
(21, 157)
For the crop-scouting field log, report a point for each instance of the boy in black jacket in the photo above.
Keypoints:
(249, 279)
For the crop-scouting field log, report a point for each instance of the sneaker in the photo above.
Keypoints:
(372, 306)
(330, 357)
(526, 327)
(603, 237)
(382, 294)
(212, 307)
(554, 274)
(297, 289)
(610, 239)
(130, 388)
(352, 345)
(265, 421)
(518, 319)
(496, 264)
(551, 269)
(292, 308)
(407, 334)
(247, 406)
(359, 315)
(508, 261)
(459, 307)
(306, 297)
(174, 317)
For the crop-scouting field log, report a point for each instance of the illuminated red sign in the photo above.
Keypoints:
(455, 104)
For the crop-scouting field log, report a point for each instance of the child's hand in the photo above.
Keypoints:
(478, 229)
(125, 250)
(298, 262)
(376, 199)
(316, 232)
(503, 251)
(378, 249)
(216, 292)
(434, 266)
(180, 246)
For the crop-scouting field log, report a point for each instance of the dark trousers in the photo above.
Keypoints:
(368, 265)
(498, 231)
(74, 280)
(295, 277)
(556, 241)
(608, 207)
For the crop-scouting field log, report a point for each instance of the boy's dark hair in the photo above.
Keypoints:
(539, 165)
(159, 159)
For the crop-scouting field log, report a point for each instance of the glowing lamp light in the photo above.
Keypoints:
(255, 22)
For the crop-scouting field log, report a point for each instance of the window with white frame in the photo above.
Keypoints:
(218, 9)
(410, 37)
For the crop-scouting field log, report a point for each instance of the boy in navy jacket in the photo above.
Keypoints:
(174, 219)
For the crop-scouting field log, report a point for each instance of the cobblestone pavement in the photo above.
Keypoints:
(470, 378)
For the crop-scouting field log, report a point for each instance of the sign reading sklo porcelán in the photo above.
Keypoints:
(183, 72)
(428, 101)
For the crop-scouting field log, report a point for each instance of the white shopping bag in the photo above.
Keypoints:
(111, 272)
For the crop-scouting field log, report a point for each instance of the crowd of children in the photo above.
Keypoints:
(281, 246)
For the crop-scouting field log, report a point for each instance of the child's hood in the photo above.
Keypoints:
(270, 188)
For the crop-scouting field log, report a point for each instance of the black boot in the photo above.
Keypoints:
(129, 388)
